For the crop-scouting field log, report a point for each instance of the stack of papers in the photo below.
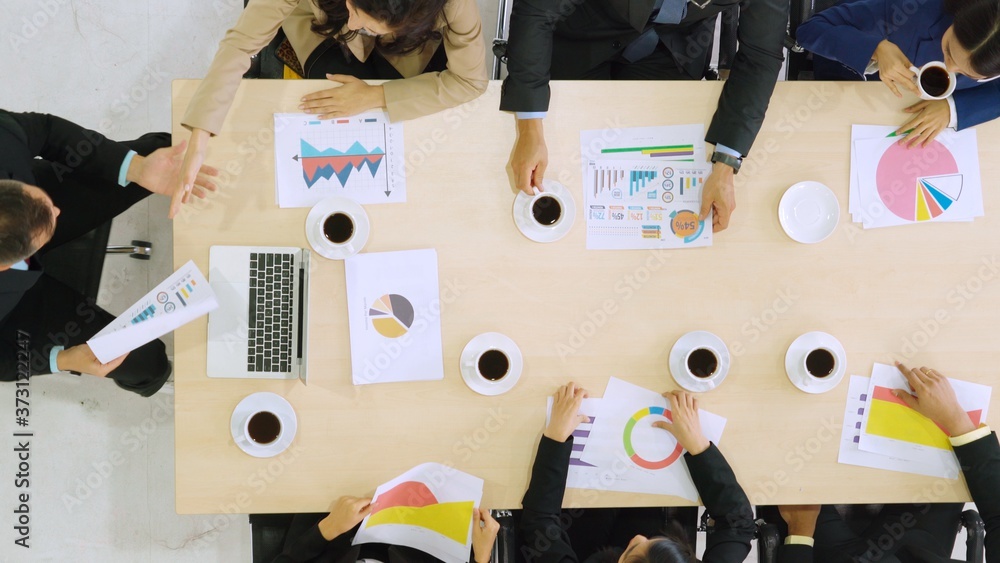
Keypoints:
(894, 185)
(881, 432)
(620, 450)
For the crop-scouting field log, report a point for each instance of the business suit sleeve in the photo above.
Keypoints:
(980, 461)
(795, 553)
(529, 55)
(846, 33)
(542, 538)
(747, 91)
(726, 502)
(311, 544)
(464, 80)
(977, 105)
(72, 149)
(257, 26)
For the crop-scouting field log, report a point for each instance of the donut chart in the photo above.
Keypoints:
(918, 185)
(627, 440)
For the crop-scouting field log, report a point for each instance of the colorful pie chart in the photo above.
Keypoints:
(391, 315)
(630, 449)
(918, 184)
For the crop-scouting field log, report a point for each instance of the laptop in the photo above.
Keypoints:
(261, 328)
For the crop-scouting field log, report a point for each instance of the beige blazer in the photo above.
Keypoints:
(414, 96)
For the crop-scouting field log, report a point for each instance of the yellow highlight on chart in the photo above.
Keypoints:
(450, 519)
(900, 422)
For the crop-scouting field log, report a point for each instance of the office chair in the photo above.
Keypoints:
(799, 65)
(766, 535)
(267, 535)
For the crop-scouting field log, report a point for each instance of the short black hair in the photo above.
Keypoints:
(977, 28)
(22, 219)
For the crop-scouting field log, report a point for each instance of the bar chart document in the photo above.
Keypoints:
(359, 157)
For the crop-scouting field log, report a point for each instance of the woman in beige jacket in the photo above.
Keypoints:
(435, 47)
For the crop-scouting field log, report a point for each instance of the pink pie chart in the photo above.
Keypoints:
(918, 184)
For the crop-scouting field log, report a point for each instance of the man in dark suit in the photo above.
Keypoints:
(79, 181)
(642, 40)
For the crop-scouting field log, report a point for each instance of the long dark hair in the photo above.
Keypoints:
(413, 21)
(671, 547)
(977, 29)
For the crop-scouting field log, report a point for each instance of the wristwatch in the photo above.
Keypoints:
(728, 160)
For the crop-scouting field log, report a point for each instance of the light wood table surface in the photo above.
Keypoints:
(879, 292)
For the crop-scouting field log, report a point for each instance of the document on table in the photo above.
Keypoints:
(360, 158)
(178, 300)
(428, 508)
(894, 185)
(394, 316)
(581, 475)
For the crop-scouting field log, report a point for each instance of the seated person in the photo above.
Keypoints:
(960, 33)
(927, 531)
(318, 538)
(544, 536)
(435, 46)
(80, 181)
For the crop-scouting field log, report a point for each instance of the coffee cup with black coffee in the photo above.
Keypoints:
(545, 210)
(702, 362)
(934, 80)
(493, 365)
(820, 363)
(262, 428)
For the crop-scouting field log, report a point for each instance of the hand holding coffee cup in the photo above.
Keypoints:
(545, 209)
(934, 81)
(894, 68)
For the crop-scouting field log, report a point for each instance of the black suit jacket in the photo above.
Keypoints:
(312, 547)
(724, 500)
(590, 32)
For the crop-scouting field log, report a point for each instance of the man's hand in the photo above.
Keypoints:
(484, 534)
(566, 412)
(932, 117)
(530, 156)
(159, 171)
(81, 359)
(191, 168)
(345, 514)
(894, 68)
(719, 194)
(801, 519)
(352, 97)
(686, 425)
(935, 399)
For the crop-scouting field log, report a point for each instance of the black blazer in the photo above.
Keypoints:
(543, 537)
(311, 547)
(591, 32)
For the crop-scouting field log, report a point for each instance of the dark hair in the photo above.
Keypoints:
(22, 219)
(671, 547)
(412, 21)
(977, 29)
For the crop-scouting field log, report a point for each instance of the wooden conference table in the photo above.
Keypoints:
(588, 315)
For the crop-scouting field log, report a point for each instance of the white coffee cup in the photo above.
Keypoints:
(339, 229)
(554, 209)
(246, 428)
(495, 354)
(820, 350)
(938, 67)
(715, 358)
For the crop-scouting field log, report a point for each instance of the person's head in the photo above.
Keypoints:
(972, 44)
(27, 221)
(410, 22)
(659, 549)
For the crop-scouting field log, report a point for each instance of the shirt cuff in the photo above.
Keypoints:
(123, 173)
(872, 67)
(531, 114)
(719, 147)
(970, 437)
(799, 540)
(953, 122)
(53, 364)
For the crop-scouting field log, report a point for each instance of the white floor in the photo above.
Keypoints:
(101, 461)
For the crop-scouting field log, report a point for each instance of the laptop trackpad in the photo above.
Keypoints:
(229, 321)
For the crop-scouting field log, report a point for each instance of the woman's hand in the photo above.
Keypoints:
(345, 513)
(484, 534)
(894, 68)
(932, 117)
(686, 425)
(159, 171)
(351, 98)
(566, 412)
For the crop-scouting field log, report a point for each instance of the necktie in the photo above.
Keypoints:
(664, 11)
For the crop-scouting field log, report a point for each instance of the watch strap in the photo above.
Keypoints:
(727, 159)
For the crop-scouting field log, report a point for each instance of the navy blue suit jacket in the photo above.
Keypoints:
(848, 33)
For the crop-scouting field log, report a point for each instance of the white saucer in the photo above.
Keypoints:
(808, 212)
(314, 228)
(678, 354)
(795, 360)
(478, 345)
(541, 233)
(269, 402)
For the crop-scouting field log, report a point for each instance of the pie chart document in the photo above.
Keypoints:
(897, 185)
(394, 316)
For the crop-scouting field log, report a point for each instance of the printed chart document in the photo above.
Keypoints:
(581, 475)
(178, 300)
(427, 508)
(359, 157)
(632, 455)
(394, 316)
(893, 185)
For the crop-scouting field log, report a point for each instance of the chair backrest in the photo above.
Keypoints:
(500, 42)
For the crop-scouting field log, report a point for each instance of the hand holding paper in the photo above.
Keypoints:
(935, 398)
(686, 425)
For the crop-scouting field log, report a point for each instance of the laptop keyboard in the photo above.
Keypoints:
(269, 346)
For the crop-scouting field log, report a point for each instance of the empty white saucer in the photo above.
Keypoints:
(480, 344)
(322, 245)
(533, 229)
(795, 360)
(264, 401)
(808, 212)
(678, 356)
